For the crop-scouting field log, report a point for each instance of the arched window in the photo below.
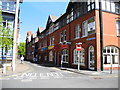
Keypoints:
(110, 55)
(50, 56)
(65, 55)
(91, 58)
(77, 31)
(82, 56)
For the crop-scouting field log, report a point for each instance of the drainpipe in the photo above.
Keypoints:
(101, 34)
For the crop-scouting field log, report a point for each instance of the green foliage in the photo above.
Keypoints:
(22, 48)
(0, 20)
(6, 36)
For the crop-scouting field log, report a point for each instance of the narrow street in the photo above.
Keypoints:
(52, 77)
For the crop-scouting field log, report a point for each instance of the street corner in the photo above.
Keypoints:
(20, 68)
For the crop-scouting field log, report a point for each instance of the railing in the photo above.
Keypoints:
(7, 9)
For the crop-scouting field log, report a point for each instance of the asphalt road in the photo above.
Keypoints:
(51, 77)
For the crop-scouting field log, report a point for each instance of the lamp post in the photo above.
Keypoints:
(15, 35)
(101, 34)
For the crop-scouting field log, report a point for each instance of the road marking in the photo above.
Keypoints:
(39, 75)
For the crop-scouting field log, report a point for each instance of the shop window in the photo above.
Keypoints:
(111, 55)
(118, 27)
(65, 56)
(77, 31)
(82, 56)
(91, 58)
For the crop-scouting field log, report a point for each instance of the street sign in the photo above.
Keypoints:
(78, 46)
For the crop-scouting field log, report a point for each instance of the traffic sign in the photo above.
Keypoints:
(78, 46)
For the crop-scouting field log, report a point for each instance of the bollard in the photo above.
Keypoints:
(4, 68)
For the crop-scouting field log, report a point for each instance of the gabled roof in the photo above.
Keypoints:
(54, 18)
(40, 29)
(51, 19)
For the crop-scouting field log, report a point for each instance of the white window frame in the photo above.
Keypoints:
(77, 31)
(118, 27)
(65, 55)
(75, 57)
(91, 50)
(108, 5)
(84, 29)
(109, 54)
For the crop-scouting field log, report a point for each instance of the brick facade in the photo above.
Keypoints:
(54, 53)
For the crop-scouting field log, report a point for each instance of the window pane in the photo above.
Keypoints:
(108, 50)
(93, 6)
(118, 27)
(104, 51)
(112, 7)
(97, 4)
(105, 59)
(89, 8)
(4, 5)
(11, 6)
(117, 8)
(103, 5)
(108, 5)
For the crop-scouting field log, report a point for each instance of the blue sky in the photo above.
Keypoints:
(35, 14)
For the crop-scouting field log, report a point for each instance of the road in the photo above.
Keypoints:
(51, 77)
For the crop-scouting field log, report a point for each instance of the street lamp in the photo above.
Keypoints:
(15, 35)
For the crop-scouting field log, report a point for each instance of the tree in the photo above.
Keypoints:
(22, 48)
(6, 36)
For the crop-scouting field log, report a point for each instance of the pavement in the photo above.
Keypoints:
(94, 73)
(107, 73)
(20, 68)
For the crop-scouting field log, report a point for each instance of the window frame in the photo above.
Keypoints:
(75, 57)
(77, 31)
(108, 54)
(118, 27)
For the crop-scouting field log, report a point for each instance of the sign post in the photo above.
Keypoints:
(111, 64)
(78, 48)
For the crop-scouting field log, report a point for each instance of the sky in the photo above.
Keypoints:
(35, 14)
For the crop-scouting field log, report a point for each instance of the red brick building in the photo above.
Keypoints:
(80, 24)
